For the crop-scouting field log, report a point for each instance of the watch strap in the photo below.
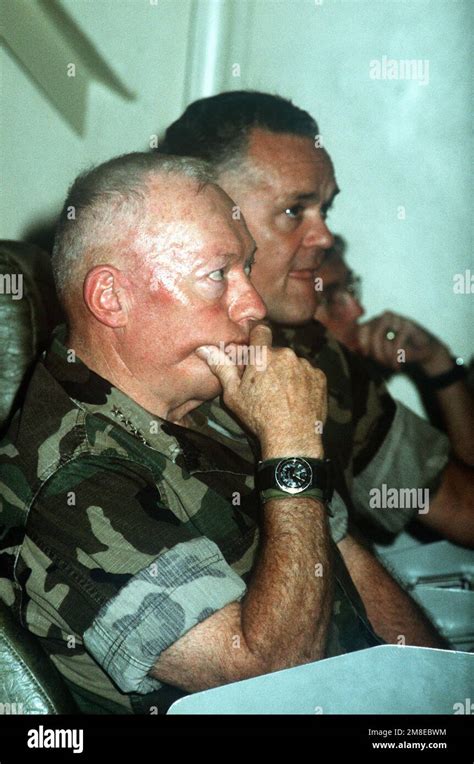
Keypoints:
(440, 381)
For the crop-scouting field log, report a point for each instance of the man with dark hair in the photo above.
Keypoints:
(217, 128)
(267, 155)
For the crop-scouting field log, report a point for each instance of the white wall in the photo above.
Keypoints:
(146, 46)
(394, 143)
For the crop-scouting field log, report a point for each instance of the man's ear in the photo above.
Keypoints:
(106, 293)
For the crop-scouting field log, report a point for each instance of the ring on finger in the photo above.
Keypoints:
(391, 334)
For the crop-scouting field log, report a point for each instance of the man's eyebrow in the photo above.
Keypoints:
(235, 256)
(245, 256)
(309, 196)
(219, 256)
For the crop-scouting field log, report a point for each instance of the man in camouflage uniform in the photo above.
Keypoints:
(268, 156)
(134, 544)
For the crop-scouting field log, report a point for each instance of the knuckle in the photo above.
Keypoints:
(320, 376)
(286, 354)
(228, 397)
(264, 329)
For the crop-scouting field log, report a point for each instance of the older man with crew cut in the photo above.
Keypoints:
(135, 543)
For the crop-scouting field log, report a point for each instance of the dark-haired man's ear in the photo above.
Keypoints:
(106, 294)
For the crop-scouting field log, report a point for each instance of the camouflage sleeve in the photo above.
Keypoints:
(373, 410)
(119, 569)
(406, 470)
(162, 602)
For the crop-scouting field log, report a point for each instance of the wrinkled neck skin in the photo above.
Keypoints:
(101, 352)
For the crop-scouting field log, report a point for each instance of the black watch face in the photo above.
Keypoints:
(293, 475)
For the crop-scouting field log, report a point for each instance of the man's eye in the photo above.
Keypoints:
(217, 275)
(325, 212)
(294, 212)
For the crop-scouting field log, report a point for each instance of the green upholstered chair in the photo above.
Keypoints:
(26, 323)
(29, 683)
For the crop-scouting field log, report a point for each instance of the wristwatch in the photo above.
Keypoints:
(440, 381)
(294, 476)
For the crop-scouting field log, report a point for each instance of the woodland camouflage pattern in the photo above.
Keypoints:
(120, 531)
(371, 439)
(360, 410)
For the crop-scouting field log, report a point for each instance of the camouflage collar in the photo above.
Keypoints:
(96, 395)
(308, 338)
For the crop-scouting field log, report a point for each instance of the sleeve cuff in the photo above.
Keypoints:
(338, 518)
(181, 588)
(410, 461)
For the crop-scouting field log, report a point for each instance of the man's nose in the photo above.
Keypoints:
(353, 309)
(318, 233)
(247, 305)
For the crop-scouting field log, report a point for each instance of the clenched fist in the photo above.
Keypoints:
(283, 402)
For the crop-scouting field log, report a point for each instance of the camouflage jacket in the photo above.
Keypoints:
(121, 531)
(372, 439)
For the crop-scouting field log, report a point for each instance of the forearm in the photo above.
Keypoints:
(286, 612)
(283, 618)
(456, 406)
(392, 612)
(281, 622)
(451, 510)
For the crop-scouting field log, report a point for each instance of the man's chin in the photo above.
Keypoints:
(291, 312)
(206, 386)
(351, 341)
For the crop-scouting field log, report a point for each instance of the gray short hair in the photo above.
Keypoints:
(104, 203)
